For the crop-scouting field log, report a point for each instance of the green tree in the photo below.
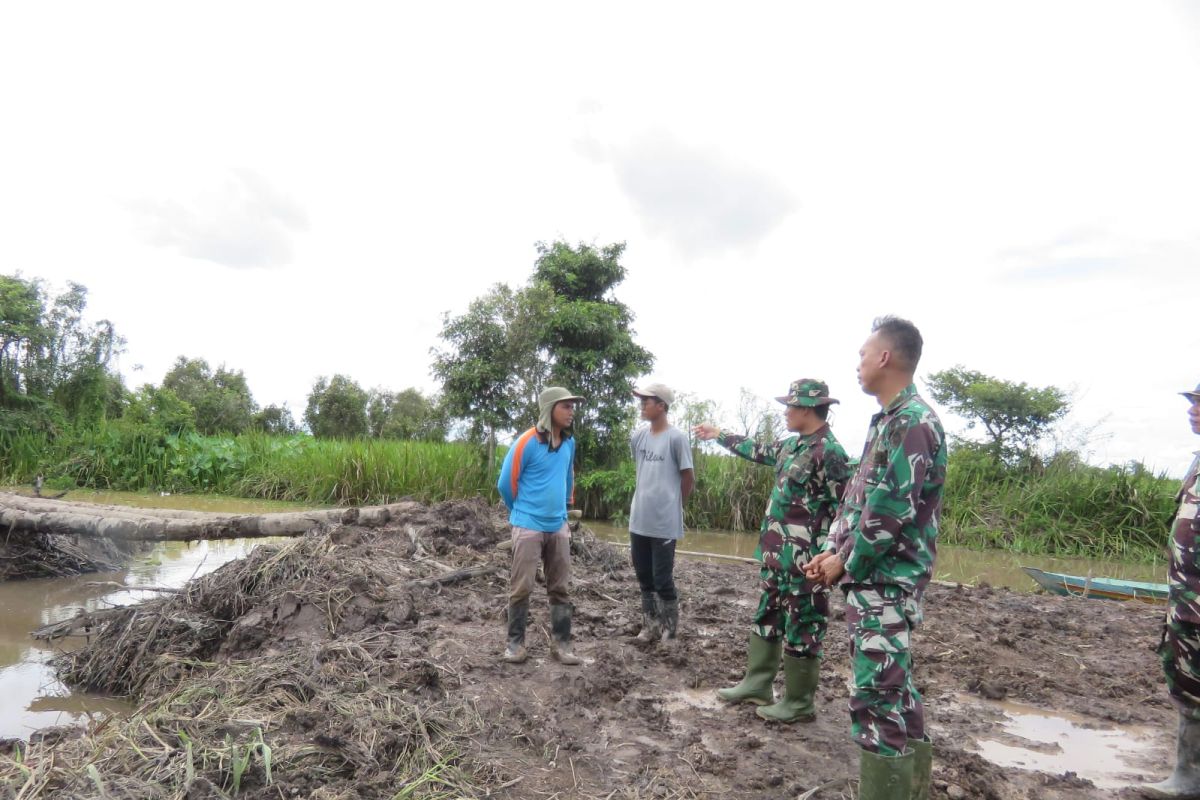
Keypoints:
(222, 399)
(161, 408)
(337, 408)
(276, 420)
(405, 415)
(20, 323)
(589, 337)
(1015, 416)
(49, 353)
(565, 327)
(492, 367)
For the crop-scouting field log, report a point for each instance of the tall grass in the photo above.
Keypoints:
(1065, 508)
(300, 468)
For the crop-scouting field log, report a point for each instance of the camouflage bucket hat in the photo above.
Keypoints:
(1194, 394)
(807, 392)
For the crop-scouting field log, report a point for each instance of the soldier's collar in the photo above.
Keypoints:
(906, 394)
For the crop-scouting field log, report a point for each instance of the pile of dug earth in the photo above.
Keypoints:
(364, 663)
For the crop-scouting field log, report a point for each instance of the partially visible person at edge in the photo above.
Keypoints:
(881, 548)
(662, 456)
(1180, 648)
(793, 610)
(536, 483)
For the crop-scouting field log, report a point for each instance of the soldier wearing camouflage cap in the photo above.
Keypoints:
(810, 475)
(881, 548)
(1180, 648)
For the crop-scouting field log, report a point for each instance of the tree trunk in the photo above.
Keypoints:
(37, 515)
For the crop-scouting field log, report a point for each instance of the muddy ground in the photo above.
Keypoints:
(346, 649)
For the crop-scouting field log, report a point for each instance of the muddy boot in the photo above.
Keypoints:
(560, 629)
(800, 684)
(651, 628)
(922, 767)
(885, 777)
(762, 663)
(670, 619)
(518, 615)
(1185, 780)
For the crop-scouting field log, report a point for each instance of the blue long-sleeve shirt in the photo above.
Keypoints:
(538, 487)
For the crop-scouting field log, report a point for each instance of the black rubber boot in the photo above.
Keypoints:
(1185, 780)
(762, 659)
(651, 626)
(518, 617)
(670, 619)
(560, 627)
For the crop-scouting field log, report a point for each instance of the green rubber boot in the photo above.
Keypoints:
(800, 684)
(1184, 782)
(922, 767)
(885, 777)
(762, 663)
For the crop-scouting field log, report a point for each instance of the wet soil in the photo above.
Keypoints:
(635, 721)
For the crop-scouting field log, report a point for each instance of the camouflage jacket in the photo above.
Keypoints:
(810, 477)
(886, 530)
(1185, 550)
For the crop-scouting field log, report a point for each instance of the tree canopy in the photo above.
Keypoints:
(337, 408)
(49, 354)
(564, 327)
(221, 398)
(1015, 416)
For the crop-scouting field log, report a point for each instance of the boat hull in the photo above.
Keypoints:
(1099, 588)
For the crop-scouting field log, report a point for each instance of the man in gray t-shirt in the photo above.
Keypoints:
(665, 478)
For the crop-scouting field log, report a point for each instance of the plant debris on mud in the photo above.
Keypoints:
(364, 663)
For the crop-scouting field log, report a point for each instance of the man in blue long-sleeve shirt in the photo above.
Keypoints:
(536, 483)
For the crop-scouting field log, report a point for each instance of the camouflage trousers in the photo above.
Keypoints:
(794, 608)
(886, 708)
(1180, 654)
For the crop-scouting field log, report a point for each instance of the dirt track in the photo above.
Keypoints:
(343, 657)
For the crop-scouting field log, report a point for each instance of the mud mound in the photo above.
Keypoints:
(364, 663)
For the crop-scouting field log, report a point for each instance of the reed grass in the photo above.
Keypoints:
(1064, 508)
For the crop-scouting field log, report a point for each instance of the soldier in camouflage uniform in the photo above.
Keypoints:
(881, 548)
(810, 475)
(1180, 648)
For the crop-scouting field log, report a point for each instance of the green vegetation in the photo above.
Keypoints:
(297, 468)
(1063, 508)
(65, 414)
(564, 328)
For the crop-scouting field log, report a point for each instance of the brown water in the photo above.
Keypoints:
(959, 564)
(32, 697)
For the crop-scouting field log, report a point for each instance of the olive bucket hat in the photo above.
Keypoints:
(1193, 395)
(546, 401)
(807, 392)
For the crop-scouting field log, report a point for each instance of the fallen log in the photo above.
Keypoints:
(36, 515)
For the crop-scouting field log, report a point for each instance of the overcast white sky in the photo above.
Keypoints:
(298, 189)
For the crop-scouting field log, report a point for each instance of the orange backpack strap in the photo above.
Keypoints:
(518, 452)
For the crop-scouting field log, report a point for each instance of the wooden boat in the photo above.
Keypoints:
(1106, 588)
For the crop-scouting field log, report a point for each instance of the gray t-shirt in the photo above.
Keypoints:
(658, 499)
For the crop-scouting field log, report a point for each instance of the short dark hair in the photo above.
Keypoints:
(822, 411)
(904, 337)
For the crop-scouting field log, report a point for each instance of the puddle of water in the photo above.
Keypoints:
(1032, 739)
(997, 567)
(686, 699)
(33, 697)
